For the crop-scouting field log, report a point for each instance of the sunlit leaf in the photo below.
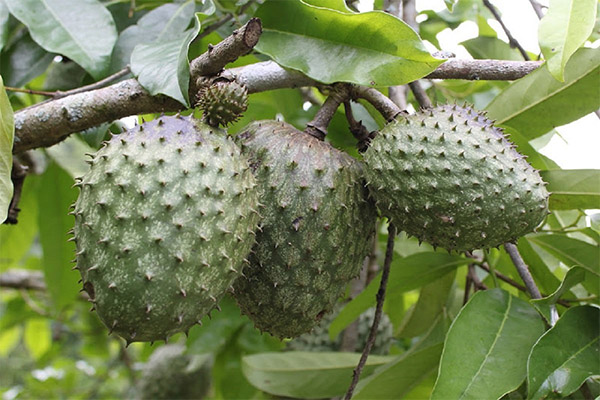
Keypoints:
(574, 276)
(573, 188)
(37, 336)
(565, 355)
(565, 27)
(82, 30)
(485, 353)
(7, 133)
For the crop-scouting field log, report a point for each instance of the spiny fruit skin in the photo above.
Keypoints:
(164, 220)
(318, 339)
(223, 102)
(316, 229)
(171, 373)
(449, 177)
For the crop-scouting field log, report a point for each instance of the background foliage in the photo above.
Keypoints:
(498, 344)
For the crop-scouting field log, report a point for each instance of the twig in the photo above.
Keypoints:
(523, 270)
(513, 42)
(498, 70)
(477, 284)
(17, 176)
(382, 103)
(420, 95)
(221, 21)
(317, 127)
(537, 8)
(32, 304)
(358, 130)
(468, 284)
(409, 14)
(389, 253)
(22, 279)
(30, 91)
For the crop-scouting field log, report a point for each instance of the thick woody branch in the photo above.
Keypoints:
(22, 279)
(50, 123)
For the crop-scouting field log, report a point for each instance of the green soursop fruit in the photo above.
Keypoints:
(449, 177)
(318, 339)
(171, 373)
(164, 220)
(223, 102)
(316, 230)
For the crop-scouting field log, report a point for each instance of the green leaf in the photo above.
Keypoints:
(37, 337)
(3, 24)
(163, 67)
(485, 353)
(56, 194)
(595, 221)
(485, 47)
(566, 355)
(543, 276)
(372, 48)
(338, 5)
(163, 23)
(552, 103)
(574, 276)
(395, 379)
(9, 338)
(450, 4)
(573, 253)
(70, 154)
(305, 375)
(406, 274)
(82, 30)
(7, 134)
(23, 61)
(573, 188)
(565, 27)
(432, 302)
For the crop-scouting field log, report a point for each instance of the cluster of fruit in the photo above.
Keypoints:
(172, 211)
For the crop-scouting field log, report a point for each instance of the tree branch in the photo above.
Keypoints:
(50, 123)
(523, 270)
(537, 8)
(17, 176)
(22, 279)
(317, 127)
(389, 253)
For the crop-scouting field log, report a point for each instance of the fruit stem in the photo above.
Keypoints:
(318, 126)
(389, 253)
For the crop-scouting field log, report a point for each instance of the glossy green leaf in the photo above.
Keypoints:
(552, 103)
(37, 337)
(432, 302)
(338, 5)
(574, 276)
(16, 240)
(395, 379)
(405, 274)
(162, 66)
(573, 253)
(565, 27)
(7, 133)
(485, 353)
(372, 48)
(485, 47)
(163, 23)
(56, 194)
(573, 188)
(305, 375)
(23, 61)
(566, 355)
(82, 30)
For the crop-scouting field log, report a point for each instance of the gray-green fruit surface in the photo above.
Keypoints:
(171, 373)
(318, 339)
(316, 229)
(164, 220)
(450, 177)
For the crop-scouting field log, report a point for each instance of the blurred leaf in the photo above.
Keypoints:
(595, 221)
(450, 4)
(161, 24)
(70, 154)
(565, 27)
(82, 30)
(432, 302)
(64, 75)
(406, 274)
(573, 188)
(552, 103)
(372, 48)
(565, 355)
(162, 66)
(574, 276)
(16, 240)
(484, 47)
(9, 338)
(23, 61)
(573, 253)
(305, 375)
(37, 336)
(485, 353)
(3, 24)
(56, 194)
(7, 133)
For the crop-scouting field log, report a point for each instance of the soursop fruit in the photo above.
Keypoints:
(164, 221)
(316, 230)
(450, 177)
(318, 339)
(171, 373)
(223, 102)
